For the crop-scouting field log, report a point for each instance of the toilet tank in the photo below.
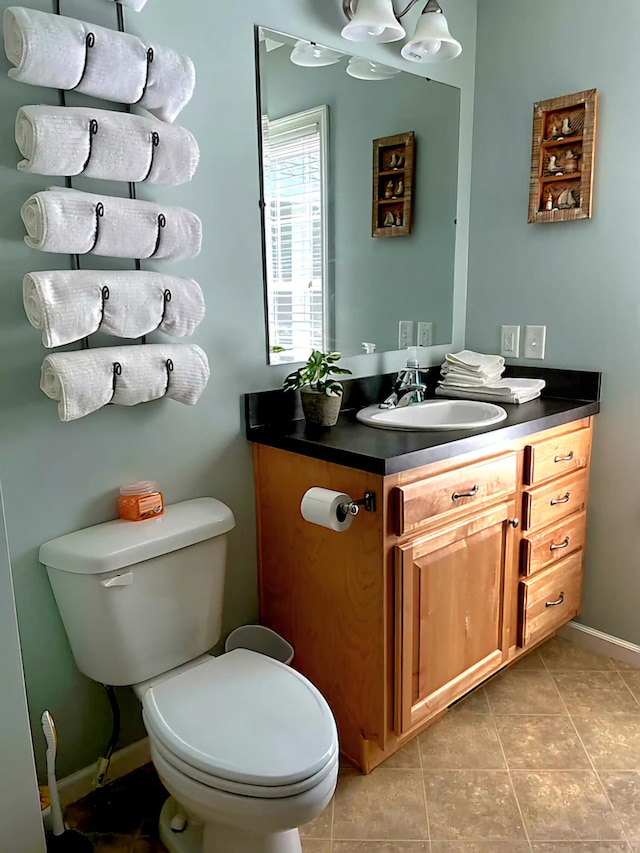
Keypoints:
(138, 598)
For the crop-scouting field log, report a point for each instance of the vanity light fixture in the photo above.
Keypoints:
(311, 55)
(364, 69)
(377, 21)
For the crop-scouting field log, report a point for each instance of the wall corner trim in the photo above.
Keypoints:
(123, 761)
(604, 644)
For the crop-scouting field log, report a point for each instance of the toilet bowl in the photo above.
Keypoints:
(246, 746)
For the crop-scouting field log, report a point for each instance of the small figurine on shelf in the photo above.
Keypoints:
(570, 162)
(400, 163)
(388, 190)
(389, 218)
(566, 127)
(554, 131)
(399, 189)
(399, 218)
(553, 165)
(566, 200)
(549, 202)
(393, 162)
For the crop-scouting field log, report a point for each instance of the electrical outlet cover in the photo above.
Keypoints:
(510, 341)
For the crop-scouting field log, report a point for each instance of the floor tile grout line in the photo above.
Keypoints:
(424, 792)
(624, 681)
(506, 764)
(593, 767)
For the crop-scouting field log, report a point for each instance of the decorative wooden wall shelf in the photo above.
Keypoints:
(393, 164)
(562, 158)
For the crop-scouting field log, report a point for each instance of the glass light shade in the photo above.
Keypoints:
(375, 21)
(311, 55)
(432, 41)
(364, 69)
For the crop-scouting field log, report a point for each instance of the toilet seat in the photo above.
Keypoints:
(244, 723)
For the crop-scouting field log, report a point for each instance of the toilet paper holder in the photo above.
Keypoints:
(353, 507)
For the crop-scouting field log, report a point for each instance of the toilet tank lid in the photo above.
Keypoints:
(116, 544)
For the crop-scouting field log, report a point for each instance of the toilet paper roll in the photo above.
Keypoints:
(320, 506)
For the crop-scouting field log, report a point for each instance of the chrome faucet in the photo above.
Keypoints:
(408, 389)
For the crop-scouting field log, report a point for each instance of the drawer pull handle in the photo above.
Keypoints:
(563, 544)
(456, 496)
(564, 458)
(564, 500)
(557, 602)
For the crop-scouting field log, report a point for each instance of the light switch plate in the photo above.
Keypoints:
(425, 334)
(510, 341)
(535, 339)
(405, 334)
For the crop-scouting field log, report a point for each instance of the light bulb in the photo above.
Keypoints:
(434, 46)
(374, 32)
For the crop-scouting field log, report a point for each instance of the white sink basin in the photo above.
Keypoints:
(434, 415)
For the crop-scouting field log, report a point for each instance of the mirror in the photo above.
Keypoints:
(329, 283)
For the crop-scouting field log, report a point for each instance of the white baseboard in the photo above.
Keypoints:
(123, 761)
(603, 644)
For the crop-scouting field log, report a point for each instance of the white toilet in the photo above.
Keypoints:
(247, 746)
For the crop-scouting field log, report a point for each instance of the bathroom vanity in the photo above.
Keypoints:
(472, 557)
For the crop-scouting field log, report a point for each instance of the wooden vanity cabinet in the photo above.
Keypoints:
(465, 565)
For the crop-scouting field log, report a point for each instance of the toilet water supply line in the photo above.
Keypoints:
(105, 760)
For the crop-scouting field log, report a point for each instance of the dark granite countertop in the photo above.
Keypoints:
(273, 418)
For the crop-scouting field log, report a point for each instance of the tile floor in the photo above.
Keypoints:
(545, 759)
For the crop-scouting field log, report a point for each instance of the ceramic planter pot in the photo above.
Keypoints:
(320, 410)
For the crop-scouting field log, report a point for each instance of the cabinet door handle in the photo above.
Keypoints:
(564, 458)
(563, 544)
(456, 496)
(558, 601)
(564, 500)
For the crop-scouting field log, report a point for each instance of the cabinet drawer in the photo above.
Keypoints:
(552, 544)
(454, 492)
(555, 500)
(556, 456)
(549, 599)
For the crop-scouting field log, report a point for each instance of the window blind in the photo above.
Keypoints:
(294, 210)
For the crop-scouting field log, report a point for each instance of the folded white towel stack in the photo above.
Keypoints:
(471, 375)
(72, 304)
(63, 53)
(83, 382)
(73, 222)
(104, 144)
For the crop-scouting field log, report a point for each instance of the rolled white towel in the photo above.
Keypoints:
(83, 382)
(63, 53)
(103, 144)
(73, 222)
(69, 305)
(475, 362)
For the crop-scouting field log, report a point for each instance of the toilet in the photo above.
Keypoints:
(246, 746)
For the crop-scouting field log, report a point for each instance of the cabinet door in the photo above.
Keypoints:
(450, 589)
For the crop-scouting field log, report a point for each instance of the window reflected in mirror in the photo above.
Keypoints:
(294, 160)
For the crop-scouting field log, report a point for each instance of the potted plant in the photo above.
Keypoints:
(320, 391)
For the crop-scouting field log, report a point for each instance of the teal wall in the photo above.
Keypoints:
(578, 278)
(60, 477)
(379, 282)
